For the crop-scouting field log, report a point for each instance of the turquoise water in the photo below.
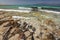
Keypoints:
(16, 6)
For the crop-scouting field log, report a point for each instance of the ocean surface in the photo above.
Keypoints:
(55, 8)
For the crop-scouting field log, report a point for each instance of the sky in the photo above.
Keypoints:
(24, 2)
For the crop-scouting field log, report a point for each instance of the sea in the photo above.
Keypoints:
(54, 8)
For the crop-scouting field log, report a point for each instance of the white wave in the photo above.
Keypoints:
(27, 11)
(50, 11)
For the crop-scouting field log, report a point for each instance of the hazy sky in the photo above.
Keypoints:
(19, 2)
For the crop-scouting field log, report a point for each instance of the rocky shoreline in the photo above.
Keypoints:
(25, 26)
